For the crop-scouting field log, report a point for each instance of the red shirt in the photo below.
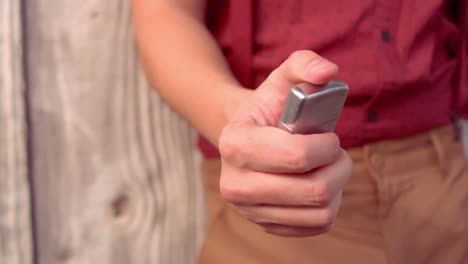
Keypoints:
(404, 61)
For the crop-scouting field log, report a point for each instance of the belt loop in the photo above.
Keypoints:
(457, 129)
(461, 133)
(439, 150)
(367, 153)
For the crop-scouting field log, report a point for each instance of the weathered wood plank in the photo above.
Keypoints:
(116, 177)
(15, 217)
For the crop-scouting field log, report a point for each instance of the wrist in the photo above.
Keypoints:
(237, 96)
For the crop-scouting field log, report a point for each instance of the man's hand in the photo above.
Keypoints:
(289, 184)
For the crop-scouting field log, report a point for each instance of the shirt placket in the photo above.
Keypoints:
(387, 61)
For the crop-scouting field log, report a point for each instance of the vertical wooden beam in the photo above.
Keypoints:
(15, 219)
(116, 177)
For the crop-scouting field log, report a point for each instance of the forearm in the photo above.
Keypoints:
(184, 64)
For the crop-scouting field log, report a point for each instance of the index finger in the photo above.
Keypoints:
(269, 149)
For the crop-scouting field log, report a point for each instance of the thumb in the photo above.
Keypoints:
(301, 66)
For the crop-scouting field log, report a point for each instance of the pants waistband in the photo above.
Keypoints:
(415, 151)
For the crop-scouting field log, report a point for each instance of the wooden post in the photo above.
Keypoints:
(115, 174)
(15, 219)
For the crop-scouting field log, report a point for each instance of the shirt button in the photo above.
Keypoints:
(451, 51)
(372, 116)
(386, 36)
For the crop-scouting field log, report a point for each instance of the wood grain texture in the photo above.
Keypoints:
(116, 175)
(15, 217)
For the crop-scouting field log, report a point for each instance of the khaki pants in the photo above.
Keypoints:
(407, 202)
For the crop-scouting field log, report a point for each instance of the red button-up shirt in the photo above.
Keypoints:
(404, 60)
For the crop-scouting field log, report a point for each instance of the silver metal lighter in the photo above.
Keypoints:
(313, 109)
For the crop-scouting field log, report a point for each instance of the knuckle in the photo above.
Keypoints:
(326, 229)
(246, 214)
(347, 164)
(318, 194)
(328, 217)
(226, 145)
(299, 160)
(229, 147)
(333, 144)
(274, 75)
(236, 191)
(347, 160)
(231, 192)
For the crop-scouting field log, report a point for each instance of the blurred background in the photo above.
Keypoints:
(94, 167)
